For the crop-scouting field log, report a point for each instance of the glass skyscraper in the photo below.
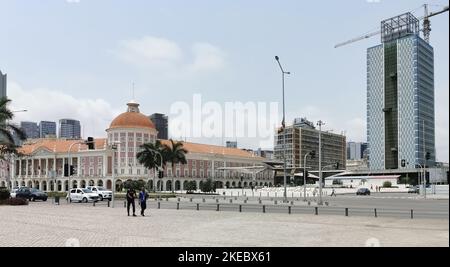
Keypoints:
(2, 84)
(70, 129)
(400, 97)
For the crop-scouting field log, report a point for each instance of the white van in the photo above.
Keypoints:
(82, 195)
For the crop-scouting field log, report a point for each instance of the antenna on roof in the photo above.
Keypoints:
(132, 91)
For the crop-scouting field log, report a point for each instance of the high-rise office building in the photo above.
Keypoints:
(70, 129)
(355, 150)
(231, 144)
(303, 139)
(161, 122)
(400, 97)
(30, 129)
(47, 129)
(2, 84)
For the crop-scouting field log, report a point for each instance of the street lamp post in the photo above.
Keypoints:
(113, 171)
(304, 176)
(284, 128)
(320, 123)
(69, 163)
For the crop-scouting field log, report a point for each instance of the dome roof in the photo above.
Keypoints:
(132, 119)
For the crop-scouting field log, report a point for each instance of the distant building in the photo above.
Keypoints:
(30, 129)
(161, 122)
(70, 129)
(231, 144)
(268, 154)
(2, 84)
(356, 150)
(304, 138)
(47, 129)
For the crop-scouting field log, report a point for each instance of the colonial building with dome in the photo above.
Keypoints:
(60, 164)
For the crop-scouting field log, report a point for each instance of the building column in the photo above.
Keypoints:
(26, 167)
(63, 166)
(105, 165)
(20, 167)
(78, 166)
(46, 167)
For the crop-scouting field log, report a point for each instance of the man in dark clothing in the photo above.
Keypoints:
(131, 195)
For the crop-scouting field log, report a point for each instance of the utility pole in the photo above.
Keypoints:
(424, 178)
(320, 123)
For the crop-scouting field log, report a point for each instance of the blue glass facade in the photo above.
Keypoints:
(413, 99)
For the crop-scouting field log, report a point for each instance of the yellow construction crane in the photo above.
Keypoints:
(426, 27)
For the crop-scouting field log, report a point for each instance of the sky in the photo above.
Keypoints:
(79, 59)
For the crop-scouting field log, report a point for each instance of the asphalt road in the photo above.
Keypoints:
(394, 205)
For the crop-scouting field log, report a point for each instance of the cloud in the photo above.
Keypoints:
(95, 115)
(166, 56)
(73, 1)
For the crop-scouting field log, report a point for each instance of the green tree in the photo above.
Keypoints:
(7, 129)
(174, 153)
(191, 186)
(387, 184)
(150, 155)
(208, 186)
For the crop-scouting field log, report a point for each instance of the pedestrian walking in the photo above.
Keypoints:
(143, 200)
(333, 193)
(131, 195)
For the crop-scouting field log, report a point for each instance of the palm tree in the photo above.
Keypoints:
(150, 156)
(7, 129)
(175, 153)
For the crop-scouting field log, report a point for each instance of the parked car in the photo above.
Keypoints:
(101, 191)
(13, 192)
(414, 189)
(31, 194)
(363, 192)
(82, 195)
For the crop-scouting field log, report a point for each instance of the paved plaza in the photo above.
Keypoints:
(45, 224)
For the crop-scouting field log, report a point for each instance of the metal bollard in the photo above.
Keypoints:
(231, 200)
(292, 202)
(93, 203)
(178, 205)
(245, 201)
(167, 199)
(124, 204)
(260, 201)
(264, 208)
(309, 203)
(412, 214)
(159, 205)
(275, 202)
(316, 210)
(108, 203)
(375, 210)
(346, 212)
(198, 206)
(292, 194)
(217, 200)
(240, 208)
(218, 206)
(289, 210)
(203, 200)
(178, 199)
(190, 199)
